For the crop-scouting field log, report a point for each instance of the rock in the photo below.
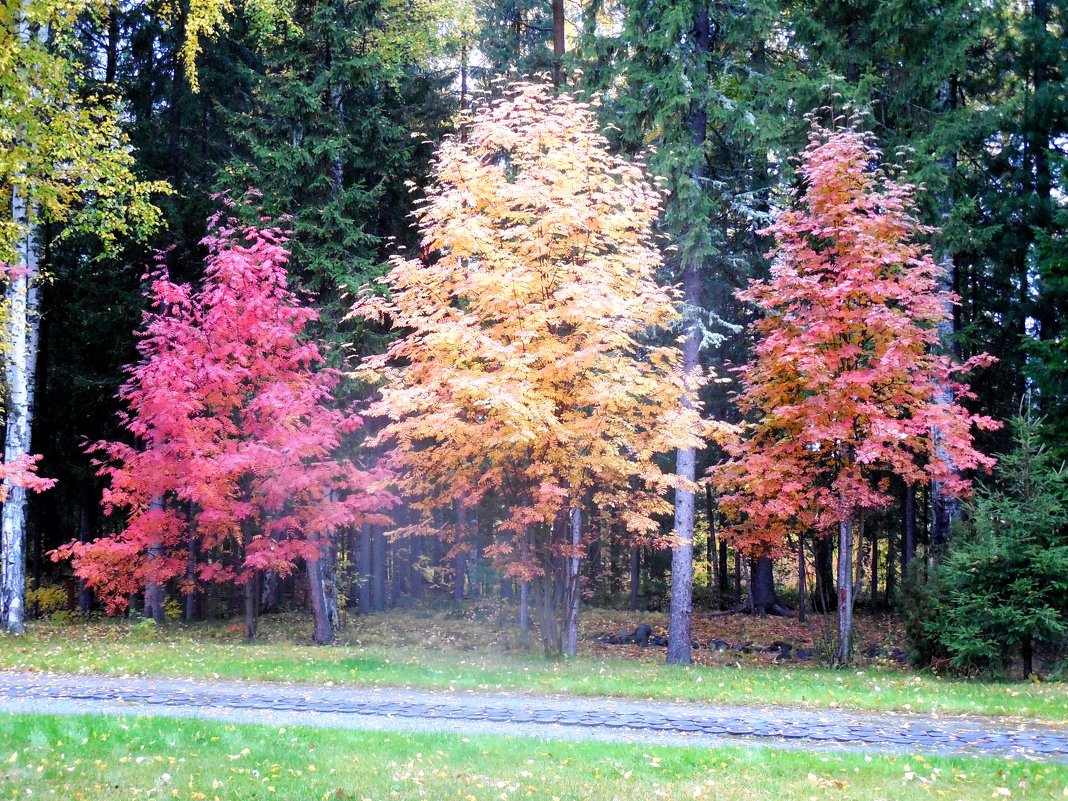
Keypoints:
(718, 645)
(805, 654)
(642, 634)
(873, 651)
(744, 647)
(658, 642)
(898, 655)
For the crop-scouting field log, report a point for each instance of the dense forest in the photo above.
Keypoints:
(736, 307)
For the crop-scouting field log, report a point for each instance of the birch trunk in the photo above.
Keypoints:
(22, 334)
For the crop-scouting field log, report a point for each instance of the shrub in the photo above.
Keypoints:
(47, 600)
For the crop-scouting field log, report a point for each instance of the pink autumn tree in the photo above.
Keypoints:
(846, 386)
(238, 468)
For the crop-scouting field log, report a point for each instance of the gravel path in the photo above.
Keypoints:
(555, 717)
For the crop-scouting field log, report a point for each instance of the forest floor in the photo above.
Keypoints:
(473, 648)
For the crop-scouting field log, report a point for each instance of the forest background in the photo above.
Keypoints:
(123, 123)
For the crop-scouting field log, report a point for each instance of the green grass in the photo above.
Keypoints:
(91, 758)
(448, 659)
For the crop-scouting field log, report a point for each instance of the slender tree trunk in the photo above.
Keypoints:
(21, 298)
(737, 578)
(681, 608)
(460, 560)
(559, 43)
(724, 578)
(801, 568)
(378, 570)
(945, 508)
(874, 569)
(908, 529)
(1027, 654)
(85, 534)
(416, 582)
(191, 575)
(524, 594)
(323, 628)
(363, 568)
(889, 584)
(710, 544)
(635, 576)
(252, 605)
(859, 540)
(845, 593)
(400, 570)
(574, 588)
(111, 63)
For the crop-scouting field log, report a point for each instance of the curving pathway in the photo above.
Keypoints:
(552, 717)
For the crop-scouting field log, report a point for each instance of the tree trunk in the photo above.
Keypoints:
(378, 570)
(85, 534)
(710, 544)
(559, 43)
(416, 583)
(890, 582)
(762, 597)
(323, 627)
(460, 560)
(400, 570)
(252, 604)
(635, 576)
(524, 594)
(874, 569)
(908, 529)
(845, 593)
(724, 578)
(154, 590)
(363, 568)
(801, 568)
(524, 614)
(945, 508)
(1027, 654)
(679, 622)
(191, 575)
(737, 578)
(574, 588)
(23, 321)
(823, 558)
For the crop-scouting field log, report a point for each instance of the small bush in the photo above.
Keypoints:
(47, 600)
(143, 630)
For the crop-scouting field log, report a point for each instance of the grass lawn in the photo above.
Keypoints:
(91, 758)
(436, 650)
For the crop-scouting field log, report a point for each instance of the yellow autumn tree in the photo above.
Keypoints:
(528, 371)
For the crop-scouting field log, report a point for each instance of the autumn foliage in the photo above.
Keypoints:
(526, 372)
(847, 385)
(239, 444)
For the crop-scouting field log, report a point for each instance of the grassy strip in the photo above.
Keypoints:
(91, 758)
(207, 652)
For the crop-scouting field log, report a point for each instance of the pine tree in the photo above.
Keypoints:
(1005, 579)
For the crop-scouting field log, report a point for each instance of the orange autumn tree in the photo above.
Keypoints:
(845, 387)
(527, 373)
